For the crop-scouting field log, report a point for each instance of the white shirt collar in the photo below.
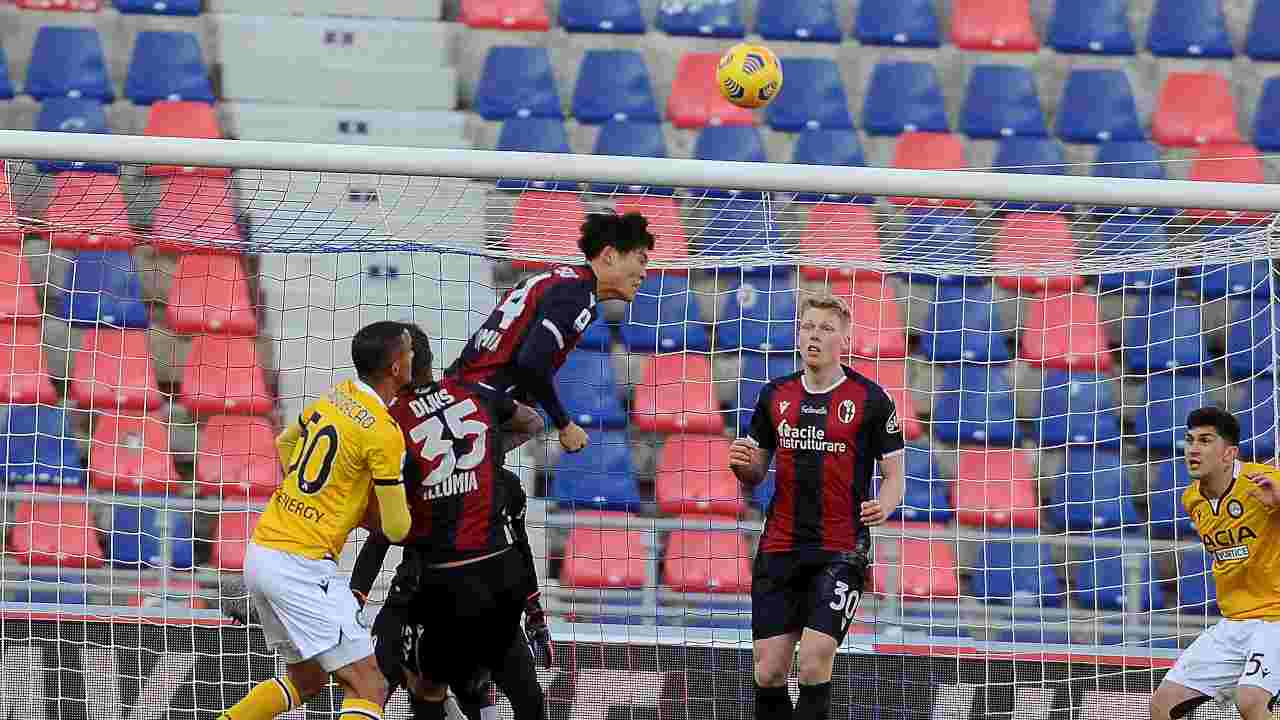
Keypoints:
(804, 380)
(363, 387)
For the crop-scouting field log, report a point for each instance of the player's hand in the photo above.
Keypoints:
(873, 513)
(539, 635)
(1266, 491)
(742, 454)
(573, 438)
(235, 604)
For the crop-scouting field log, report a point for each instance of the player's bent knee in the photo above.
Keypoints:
(308, 678)
(1253, 702)
(364, 680)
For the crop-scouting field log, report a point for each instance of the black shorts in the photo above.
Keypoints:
(794, 591)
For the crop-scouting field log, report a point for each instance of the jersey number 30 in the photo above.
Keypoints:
(311, 438)
(435, 446)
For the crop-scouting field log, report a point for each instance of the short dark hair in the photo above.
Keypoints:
(1222, 422)
(421, 353)
(623, 233)
(374, 348)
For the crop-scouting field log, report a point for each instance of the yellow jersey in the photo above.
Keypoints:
(348, 442)
(1242, 535)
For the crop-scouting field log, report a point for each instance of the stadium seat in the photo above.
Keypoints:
(1197, 589)
(113, 372)
(545, 225)
(1227, 163)
(57, 533)
(633, 139)
(929, 151)
(877, 331)
(231, 540)
(523, 15)
(1101, 580)
(1250, 334)
(663, 213)
(1138, 160)
(78, 115)
(223, 375)
(210, 294)
(737, 229)
(614, 85)
(845, 235)
(1063, 333)
(759, 315)
(158, 7)
(692, 479)
(1001, 101)
(707, 561)
(6, 85)
(609, 16)
(60, 5)
(974, 404)
(11, 228)
(517, 82)
(757, 370)
(1100, 27)
(1092, 493)
(731, 144)
(1189, 28)
(993, 25)
(926, 497)
(1097, 105)
(1078, 408)
(721, 19)
(891, 375)
(812, 99)
(66, 586)
(183, 119)
(925, 567)
(910, 23)
(676, 395)
(131, 454)
(236, 458)
(1030, 156)
(103, 287)
(1262, 43)
(24, 371)
(534, 134)
(588, 389)
(1015, 568)
(140, 537)
(1255, 407)
(829, 147)
(604, 557)
(1124, 236)
(962, 325)
(930, 237)
(195, 214)
(1239, 280)
(599, 477)
(815, 21)
(1166, 516)
(18, 303)
(1037, 240)
(87, 212)
(903, 97)
(1161, 421)
(167, 66)
(68, 62)
(995, 489)
(39, 447)
(1163, 333)
(1266, 118)
(1195, 108)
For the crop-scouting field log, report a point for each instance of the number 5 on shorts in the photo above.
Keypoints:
(846, 600)
(1254, 664)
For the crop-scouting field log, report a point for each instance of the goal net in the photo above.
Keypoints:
(1043, 335)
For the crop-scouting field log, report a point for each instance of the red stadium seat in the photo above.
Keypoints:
(892, 376)
(17, 291)
(180, 590)
(223, 375)
(56, 533)
(87, 212)
(600, 557)
(693, 478)
(877, 332)
(24, 372)
(114, 372)
(236, 458)
(10, 229)
(1195, 108)
(844, 233)
(663, 213)
(130, 454)
(1227, 163)
(232, 539)
(695, 100)
(1037, 239)
(995, 25)
(195, 213)
(184, 119)
(1063, 333)
(707, 562)
(505, 14)
(546, 223)
(915, 565)
(210, 294)
(995, 489)
(929, 151)
(676, 395)
(63, 5)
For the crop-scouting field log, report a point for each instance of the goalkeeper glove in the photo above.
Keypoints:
(537, 632)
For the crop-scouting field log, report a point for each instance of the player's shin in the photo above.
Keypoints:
(773, 703)
(266, 700)
(815, 702)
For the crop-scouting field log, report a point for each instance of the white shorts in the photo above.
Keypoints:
(1231, 653)
(307, 611)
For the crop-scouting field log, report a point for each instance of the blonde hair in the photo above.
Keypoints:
(827, 301)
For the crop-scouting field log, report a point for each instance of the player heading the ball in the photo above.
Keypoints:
(1233, 507)
(825, 428)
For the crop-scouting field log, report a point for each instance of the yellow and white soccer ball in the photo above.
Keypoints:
(749, 76)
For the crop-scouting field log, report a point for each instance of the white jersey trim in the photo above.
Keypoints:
(805, 382)
(364, 388)
(555, 332)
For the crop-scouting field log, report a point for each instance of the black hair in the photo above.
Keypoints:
(375, 346)
(623, 233)
(421, 352)
(1222, 422)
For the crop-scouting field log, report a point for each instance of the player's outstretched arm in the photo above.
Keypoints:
(1267, 490)
(555, 328)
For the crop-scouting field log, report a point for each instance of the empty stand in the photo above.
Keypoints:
(1101, 580)
(925, 567)
(1125, 235)
(996, 489)
(231, 540)
(756, 371)
(210, 294)
(505, 14)
(1091, 493)
(1014, 568)
(1031, 156)
(1161, 421)
(1166, 515)
(995, 25)
(40, 448)
(839, 147)
(57, 533)
(88, 212)
(24, 371)
(815, 21)
(184, 119)
(1262, 43)
(663, 213)
(6, 84)
(692, 479)
(1001, 101)
(588, 389)
(676, 395)
(1227, 163)
(599, 557)
(68, 62)
(891, 375)
(18, 303)
(195, 214)
(759, 316)
(935, 236)
(11, 232)
(614, 85)
(1249, 337)
(1266, 118)
(637, 139)
(61, 5)
(1255, 406)
(236, 458)
(903, 97)
(346, 125)
(722, 19)
(1163, 333)
(963, 325)
(1100, 27)
(1037, 241)
(909, 23)
(113, 372)
(599, 477)
(167, 66)
(131, 454)
(1063, 332)
(737, 229)
(813, 97)
(104, 287)
(158, 7)
(150, 538)
(1138, 160)
(1097, 105)
(1195, 108)
(606, 16)
(925, 497)
(1079, 408)
(1238, 280)
(517, 82)
(730, 144)
(1189, 28)
(545, 224)
(877, 330)
(974, 404)
(859, 241)
(77, 115)
(533, 134)
(1197, 590)
(223, 375)
(707, 562)
(929, 151)
(695, 100)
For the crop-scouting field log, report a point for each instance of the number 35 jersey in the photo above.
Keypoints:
(456, 493)
(348, 442)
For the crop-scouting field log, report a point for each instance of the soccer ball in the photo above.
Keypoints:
(749, 75)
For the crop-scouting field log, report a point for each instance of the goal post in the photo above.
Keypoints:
(1042, 336)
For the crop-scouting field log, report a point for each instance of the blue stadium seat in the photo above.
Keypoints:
(1161, 421)
(39, 447)
(733, 144)
(757, 370)
(1001, 101)
(68, 62)
(736, 228)
(82, 115)
(167, 66)
(1255, 407)
(1266, 119)
(664, 317)
(1078, 408)
(608, 16)
(517, 82)
(599, 477)
(1124, 235)
(1197, 590)
(533, 134)
(1139, 160)
(1100, 27)
(6, 84)
(903, 96)
(1165, 513)
(138, 537)
(103, 287)
(1249, 337)
(946, 237)
(1189, 28)
(1262, 42)
(1237, 280)
(1031, 156)
(1097, 106)
(962, 325)
(1037, 634)
(910, 23)
(1091, 493)
(974, 404)
(632, 139)
(1014, 569)
(813, 20)
(813, 97)
(928, 492)
(69, 590)
(1163, 333)
(759, 315)
(158, 7)
(614, 85)
(589, 391)
(1100, 575)
(719, 18)
(829, 147)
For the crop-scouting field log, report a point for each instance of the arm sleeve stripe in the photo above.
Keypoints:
(555, 331)
(387, 482)
(893, 454)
